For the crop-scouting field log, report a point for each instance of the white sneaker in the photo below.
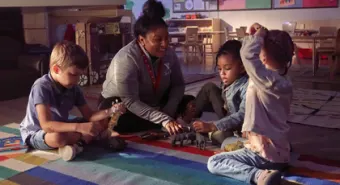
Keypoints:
(69, 152)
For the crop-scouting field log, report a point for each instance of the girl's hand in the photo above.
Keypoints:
(245, 135)
(254, 28)
(258, 30)
(203, 127)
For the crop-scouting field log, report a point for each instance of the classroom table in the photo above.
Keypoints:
(182, 33)
(313, 39)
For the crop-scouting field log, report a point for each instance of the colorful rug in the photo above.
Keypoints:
(141, 163)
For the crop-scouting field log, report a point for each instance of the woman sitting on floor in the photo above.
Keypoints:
(146, 76)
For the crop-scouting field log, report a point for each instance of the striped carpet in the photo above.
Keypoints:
(144, 163)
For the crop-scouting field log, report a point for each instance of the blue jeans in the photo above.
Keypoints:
(240, 164)
(37, 141)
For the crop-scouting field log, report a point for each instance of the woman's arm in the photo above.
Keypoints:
(125, 79)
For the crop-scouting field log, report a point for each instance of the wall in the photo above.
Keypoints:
(273, 19)
(34, 3)
(138, 5)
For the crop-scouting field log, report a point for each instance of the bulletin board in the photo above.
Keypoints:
(244, 4)
(282, 4)
(194, 5)
(230, 5)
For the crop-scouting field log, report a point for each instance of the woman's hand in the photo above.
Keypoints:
(203, 127)
(173, 127)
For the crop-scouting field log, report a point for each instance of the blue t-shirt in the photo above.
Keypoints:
(61, 101)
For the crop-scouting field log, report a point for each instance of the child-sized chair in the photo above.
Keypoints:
(335, 64)
(192, 40)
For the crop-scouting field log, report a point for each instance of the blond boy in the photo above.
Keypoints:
(46, 124)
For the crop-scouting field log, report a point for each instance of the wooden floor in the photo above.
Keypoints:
(320, 142)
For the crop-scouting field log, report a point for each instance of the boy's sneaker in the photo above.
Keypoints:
(269, 177)
(69, 152)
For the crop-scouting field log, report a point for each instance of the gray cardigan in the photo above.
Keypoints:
(128, 78)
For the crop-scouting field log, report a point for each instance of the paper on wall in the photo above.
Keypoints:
(211, 5)
(177, 7)
(189, 4)
(199, 5)
(287, 3)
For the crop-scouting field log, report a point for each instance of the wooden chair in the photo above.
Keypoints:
(207, 42)
(192, 40)
(334, 64)
(244, 28)
(229, 35)
(327, 47)
(296, 59)
(241, 33)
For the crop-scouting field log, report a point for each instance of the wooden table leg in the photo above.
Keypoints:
(296, 52)
(123, 40)
(314, 57)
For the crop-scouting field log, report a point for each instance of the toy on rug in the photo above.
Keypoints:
(233, 146)
(201, 140)
(12, 143)
(115, 116)
(190, 135)
(186, 115)
(187, 135)
(112, 143)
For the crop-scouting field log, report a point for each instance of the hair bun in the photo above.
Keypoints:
(153, 9)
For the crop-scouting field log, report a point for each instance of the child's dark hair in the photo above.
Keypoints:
(279, 46)
(66, 54)
(231, 47)
(153, 13)
(182, 106)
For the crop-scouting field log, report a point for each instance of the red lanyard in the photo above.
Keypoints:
(155, 79)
